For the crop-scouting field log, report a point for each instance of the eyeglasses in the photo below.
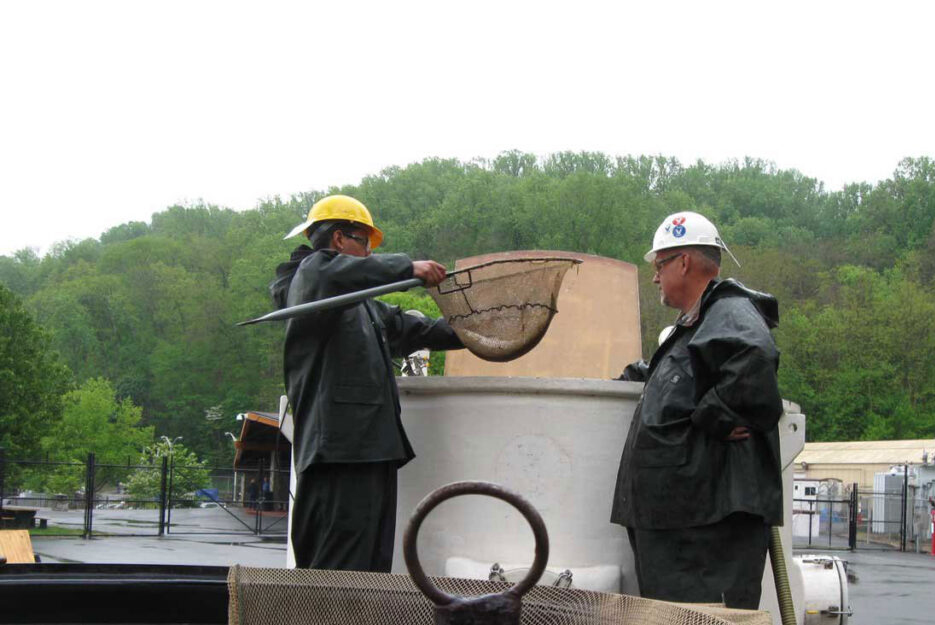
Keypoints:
(659, 264)
(362, 240)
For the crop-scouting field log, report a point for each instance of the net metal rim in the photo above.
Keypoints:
(530, 259)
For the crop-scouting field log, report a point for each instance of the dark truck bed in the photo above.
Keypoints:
(112, 593)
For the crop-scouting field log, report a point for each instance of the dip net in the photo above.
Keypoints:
(501, 309)
(314, 597)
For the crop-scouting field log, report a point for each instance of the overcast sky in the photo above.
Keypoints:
(111, 111)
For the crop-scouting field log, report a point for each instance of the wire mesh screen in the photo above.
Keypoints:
(312, 597)
(502, 309)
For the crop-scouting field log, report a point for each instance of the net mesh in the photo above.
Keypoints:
(501, 309)
(314, 597)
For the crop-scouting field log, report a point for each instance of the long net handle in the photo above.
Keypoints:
(334, 302)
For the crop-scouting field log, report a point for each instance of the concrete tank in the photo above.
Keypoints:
(555, 441)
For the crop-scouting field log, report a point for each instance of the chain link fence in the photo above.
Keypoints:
(94, 499)
(852, 518)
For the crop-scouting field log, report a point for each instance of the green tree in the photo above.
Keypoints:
(421, 301)
(188, 473)
(20, 273)
(95, 421)
(32, 380)
(861, 365)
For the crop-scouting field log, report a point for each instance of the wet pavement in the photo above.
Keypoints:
(220, 520)
(197, 536)
(892, 588)
(202, 549)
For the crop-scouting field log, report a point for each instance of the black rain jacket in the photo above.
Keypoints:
(337, 364)
(677, 469)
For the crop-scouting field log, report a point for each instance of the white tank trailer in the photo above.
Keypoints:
(556, 441)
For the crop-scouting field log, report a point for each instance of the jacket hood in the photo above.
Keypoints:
(765, 303)
(279, 288)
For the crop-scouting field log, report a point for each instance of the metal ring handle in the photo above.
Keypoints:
(490, 489)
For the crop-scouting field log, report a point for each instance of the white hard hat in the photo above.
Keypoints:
(685, 228)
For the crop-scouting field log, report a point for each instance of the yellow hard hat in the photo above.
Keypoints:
(340, 208)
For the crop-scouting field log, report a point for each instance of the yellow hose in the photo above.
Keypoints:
(783, 593)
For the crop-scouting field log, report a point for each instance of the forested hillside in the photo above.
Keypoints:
(148, 310)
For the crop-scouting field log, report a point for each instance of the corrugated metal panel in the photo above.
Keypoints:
(867, 452)
(847, 473)
(268, 418)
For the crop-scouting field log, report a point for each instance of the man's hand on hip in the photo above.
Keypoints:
(739, 433)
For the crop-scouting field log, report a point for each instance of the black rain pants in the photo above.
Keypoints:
(344, 517)
(718, 563)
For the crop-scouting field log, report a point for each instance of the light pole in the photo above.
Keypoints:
(168, 442)
(234, 489)
(168, 500)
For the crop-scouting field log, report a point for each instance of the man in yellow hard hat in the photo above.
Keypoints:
(349, 440)
(700, 476)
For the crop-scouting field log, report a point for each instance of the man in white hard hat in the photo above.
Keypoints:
(349, 440)
(700, 479)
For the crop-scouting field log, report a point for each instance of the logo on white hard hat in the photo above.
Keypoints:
(679, 230)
